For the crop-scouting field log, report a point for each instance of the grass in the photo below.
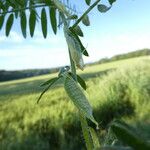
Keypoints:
(116, 89)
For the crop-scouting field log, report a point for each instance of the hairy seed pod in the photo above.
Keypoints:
(77, 96)
(74, 48)
(61, 7)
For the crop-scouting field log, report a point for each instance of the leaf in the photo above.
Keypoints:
(83, 49)
(2, 6)
(1, 21)
(127, 135)
(11, 3)
(94, 138)
(53, 19)
(44, 22)
(86, 132)
(81, 82)
(78, 31)
(103, 8)
(9, 24)
(78, 98)
(49, 81)
(48, 2)
(32, 22)
(88, 2)
(111, 1)
(86, 20)
(72, 17)
(23, 23)
(74, 48)
(52, 82)
(115, 148)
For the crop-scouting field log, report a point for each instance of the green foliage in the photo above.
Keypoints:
(103, 8)
(53, 19)
(86, 133)
(128, 136)
(94, 137)
(111, 1)
(86, 20)
(49, 83)
(80, 80)
(9, 24)
(88, 2)
(83, 49)
(1, 21)
(44, 22)
(54, 122)
(137, 53)
(77, 96)
(23, 23)
(74, 47)
(32, 22)
(78, 31)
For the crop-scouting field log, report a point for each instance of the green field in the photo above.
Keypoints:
(119, 89)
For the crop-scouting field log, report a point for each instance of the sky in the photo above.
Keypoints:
(124, 28)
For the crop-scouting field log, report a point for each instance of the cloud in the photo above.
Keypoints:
(14, 37)
(36, 55)
(116, 44)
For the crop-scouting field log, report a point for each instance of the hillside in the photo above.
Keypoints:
(118, 89)
(137, 53)
(12, 75)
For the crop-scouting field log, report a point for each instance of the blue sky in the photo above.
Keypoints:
(126, 27)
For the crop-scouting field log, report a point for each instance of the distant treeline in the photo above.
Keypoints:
(133, 54)
(13, 75)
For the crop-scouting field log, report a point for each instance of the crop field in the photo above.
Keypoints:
(119, 89)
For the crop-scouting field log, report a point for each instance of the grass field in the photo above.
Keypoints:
(119, 89)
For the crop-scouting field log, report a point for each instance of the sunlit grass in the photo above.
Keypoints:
(113, 88)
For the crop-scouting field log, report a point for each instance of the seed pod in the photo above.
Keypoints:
(59, 5)
(74, 48)
(77, 96)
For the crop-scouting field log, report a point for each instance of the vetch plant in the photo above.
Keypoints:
(61, 14)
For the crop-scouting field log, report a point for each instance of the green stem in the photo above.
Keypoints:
(84, 124)
(24, 8)
(73, 68)
(86, 132)
(86, 12)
